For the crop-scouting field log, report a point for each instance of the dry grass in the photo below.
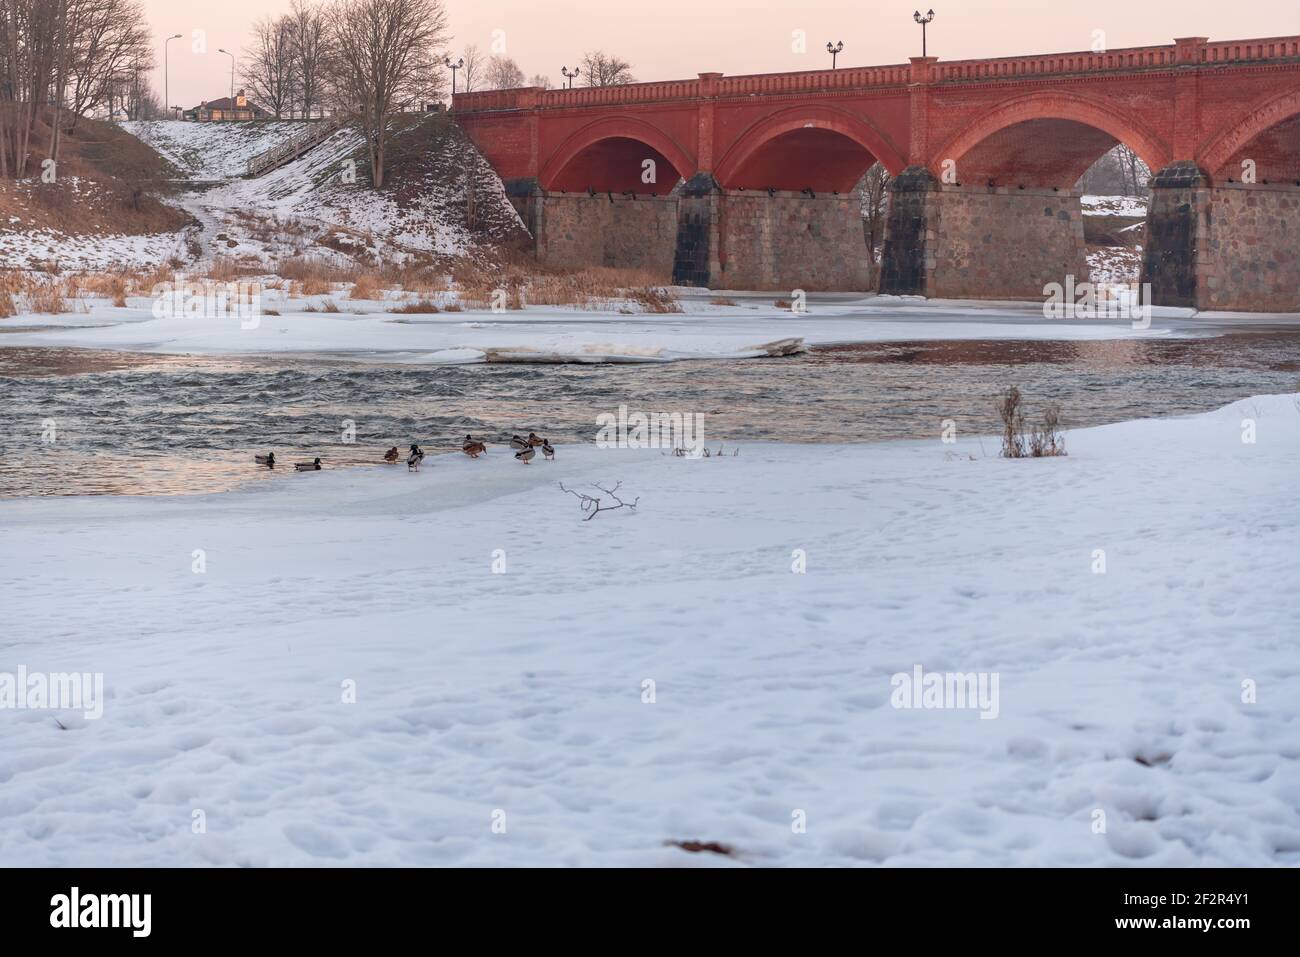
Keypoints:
(366, 286)
(7, 307)
(722, 301)
(421, 306)
(781, 304)
(654, 299)
(231, 268)
(108, 285)
(47, 298)
(313, 269)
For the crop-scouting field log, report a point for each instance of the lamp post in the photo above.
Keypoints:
(454, 67)
(834, 51)
(166, 72)
(232, 77)
(923, 20)
(564, 72)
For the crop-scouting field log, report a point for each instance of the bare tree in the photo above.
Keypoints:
(268, 64)
(873, 195)
(603, 69)
(308, 35)
(540, 80)
(503, 74)
(59, 58)
(382, 56)
(113, 37)
(471, 74)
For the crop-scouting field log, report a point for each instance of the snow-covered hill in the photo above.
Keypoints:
(320, 206)
(210, 151)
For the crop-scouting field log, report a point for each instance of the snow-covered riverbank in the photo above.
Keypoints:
(517, 696)
(746, 327)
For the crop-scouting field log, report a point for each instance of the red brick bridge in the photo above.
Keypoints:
(745, 181)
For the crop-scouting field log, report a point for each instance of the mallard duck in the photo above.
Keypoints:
(547, 449)
(474, 449)
(517, 443)
(415, 458)
(312, 466)
(268, 460)
(526, 455)
(533, 440)
(391, 455)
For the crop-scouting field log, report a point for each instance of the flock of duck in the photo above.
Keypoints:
(525, 451)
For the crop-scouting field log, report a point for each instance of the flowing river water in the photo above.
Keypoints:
(86, 422)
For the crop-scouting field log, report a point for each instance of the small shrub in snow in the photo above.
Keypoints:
(1043, 441)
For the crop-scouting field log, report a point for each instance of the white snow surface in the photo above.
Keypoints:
(211, 151)
(522, 692)
(1114, 205)
(703, 330)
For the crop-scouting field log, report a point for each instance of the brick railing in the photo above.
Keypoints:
(1230, 51)
(849, 78)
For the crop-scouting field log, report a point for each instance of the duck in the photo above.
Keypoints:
(415, 458)
(547, 449)
(533, 440)
(473, 449)
(517, 443)
(268, 460)
(312, 466)
(391, 455)
(526, 455)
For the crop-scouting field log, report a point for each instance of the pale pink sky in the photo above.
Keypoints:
(669, 39)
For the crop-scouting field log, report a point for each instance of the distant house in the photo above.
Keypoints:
(227, 110)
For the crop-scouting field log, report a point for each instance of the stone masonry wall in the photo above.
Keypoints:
(576, 230)
(791, 241)
(1253, 261)
(1005, 243)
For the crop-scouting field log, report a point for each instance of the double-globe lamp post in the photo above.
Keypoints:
(923, 20)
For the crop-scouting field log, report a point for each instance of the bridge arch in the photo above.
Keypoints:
(1038, 119)
(607, 155)
(1261, 118)
(764, 155)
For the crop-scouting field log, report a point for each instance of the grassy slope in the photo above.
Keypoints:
(106, 182)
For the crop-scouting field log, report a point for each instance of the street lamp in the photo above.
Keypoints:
(923, 20)
(834, 51)
(232, 76)
(166, 74)
(454, 67)
(564, 72)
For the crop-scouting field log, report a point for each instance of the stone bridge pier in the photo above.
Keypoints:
(703, 235)
(979, 242)
(1229, 246)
